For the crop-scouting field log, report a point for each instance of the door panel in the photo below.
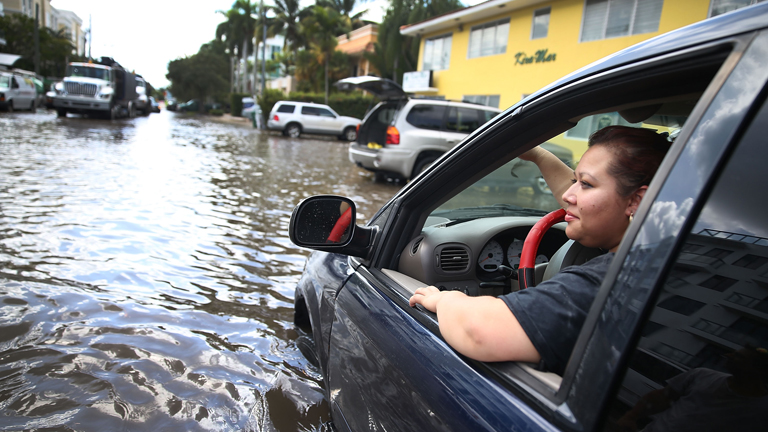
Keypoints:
(387, 371)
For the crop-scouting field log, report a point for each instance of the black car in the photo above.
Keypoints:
(685, 298)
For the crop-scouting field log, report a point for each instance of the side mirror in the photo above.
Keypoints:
(327, 223)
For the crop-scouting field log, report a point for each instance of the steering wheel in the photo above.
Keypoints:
(341, 225)
(526, 273)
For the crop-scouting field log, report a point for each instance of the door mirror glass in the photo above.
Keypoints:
(323, 220)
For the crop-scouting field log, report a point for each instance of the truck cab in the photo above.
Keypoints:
(103, 88)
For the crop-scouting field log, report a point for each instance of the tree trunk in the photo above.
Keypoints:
(244, 85)
(326, 79)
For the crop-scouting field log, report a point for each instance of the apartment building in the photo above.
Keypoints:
(49, 16)
(500, 51)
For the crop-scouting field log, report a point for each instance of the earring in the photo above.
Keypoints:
(631, 216)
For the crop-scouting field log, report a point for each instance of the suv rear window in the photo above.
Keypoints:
(426, 116)
(286, 108)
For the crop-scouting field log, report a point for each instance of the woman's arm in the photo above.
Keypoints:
(482, 328)
(557, 174)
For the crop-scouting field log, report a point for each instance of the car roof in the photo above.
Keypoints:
(737, 22)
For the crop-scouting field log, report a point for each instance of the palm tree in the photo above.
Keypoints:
(322, 28)
(239, 26)
(345, 7)
(287, 21)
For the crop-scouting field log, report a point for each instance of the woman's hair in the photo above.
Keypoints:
(637, 154)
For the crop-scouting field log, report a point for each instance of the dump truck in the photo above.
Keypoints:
(103, 88)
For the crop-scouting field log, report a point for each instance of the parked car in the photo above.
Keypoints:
(142, 104)
(170, 104)
(685, 294)
(295, 118)
(190, 105)
(155, 104)
(401, 136)
(17, 92)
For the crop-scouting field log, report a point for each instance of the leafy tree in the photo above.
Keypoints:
(203, 76)
(395, 54)
(322, 28)
(55, 47)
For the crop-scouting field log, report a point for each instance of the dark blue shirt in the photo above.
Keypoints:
(553, 312)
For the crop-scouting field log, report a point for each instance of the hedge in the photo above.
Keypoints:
(236, 103)
(353, 104)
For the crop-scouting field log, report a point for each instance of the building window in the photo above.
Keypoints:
(489, 39)
(487, 100)
(717, 253)
(540, 26)
(681, 305)
(719, 7)
(718, 283)
(605, 19)
(752, 262)
(437, 53)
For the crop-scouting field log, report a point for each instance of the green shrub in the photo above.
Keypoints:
(216, 112)
(268, 100)
(236, 103)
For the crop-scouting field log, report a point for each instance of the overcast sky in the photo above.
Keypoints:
(144, 35)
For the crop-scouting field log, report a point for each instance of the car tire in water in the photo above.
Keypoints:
(61, 112)
(306, 345)
(293, 130)
(423, 163)
(350, 134)
(10, 106)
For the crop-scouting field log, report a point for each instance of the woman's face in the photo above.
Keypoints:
(596, 214)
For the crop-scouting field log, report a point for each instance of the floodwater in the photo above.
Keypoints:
(147, 277)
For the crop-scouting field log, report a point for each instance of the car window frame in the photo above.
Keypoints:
(512, 376)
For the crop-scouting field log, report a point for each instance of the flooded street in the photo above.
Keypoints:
(146, 274)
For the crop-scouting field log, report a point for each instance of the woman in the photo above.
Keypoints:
(541, 324)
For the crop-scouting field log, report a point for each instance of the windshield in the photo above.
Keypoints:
(89, 72)
(5, 82)
(517, 188)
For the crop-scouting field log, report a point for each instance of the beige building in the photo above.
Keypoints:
(49, 16)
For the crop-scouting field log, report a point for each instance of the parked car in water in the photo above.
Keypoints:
(294, 118)
(17, 92)
(155, 104)
(402, 136)
(190, 105)
(170, 104)
(684, 298)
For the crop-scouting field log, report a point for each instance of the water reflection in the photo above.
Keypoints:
(146, 274)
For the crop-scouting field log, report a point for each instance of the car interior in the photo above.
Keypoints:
(471, 228)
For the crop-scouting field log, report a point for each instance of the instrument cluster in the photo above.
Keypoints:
(503, 251)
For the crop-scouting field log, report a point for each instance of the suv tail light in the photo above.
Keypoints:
(276, 118)
(393, 135)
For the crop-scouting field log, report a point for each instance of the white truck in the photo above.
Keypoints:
(97, 89)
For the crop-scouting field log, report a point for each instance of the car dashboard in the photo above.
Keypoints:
(477, 257)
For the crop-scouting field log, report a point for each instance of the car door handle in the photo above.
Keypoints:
(452, 141)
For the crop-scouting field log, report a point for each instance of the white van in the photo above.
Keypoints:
(17, 92)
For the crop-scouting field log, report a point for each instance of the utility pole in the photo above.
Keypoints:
(37, 39)
(90, 36)
(263, 50)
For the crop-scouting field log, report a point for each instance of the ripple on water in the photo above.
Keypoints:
(146, 274)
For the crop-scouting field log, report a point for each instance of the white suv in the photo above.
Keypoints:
(401, 136)
(295, 118)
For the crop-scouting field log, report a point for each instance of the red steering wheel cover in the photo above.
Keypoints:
(341, 225)
(525, 273)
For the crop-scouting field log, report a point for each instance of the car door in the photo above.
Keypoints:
(461, 121)
(389, 368)
(310, 119)
(328, 121)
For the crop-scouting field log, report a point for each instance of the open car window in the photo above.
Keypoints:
(517, 188)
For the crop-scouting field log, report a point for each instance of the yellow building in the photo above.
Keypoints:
(500, 51)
